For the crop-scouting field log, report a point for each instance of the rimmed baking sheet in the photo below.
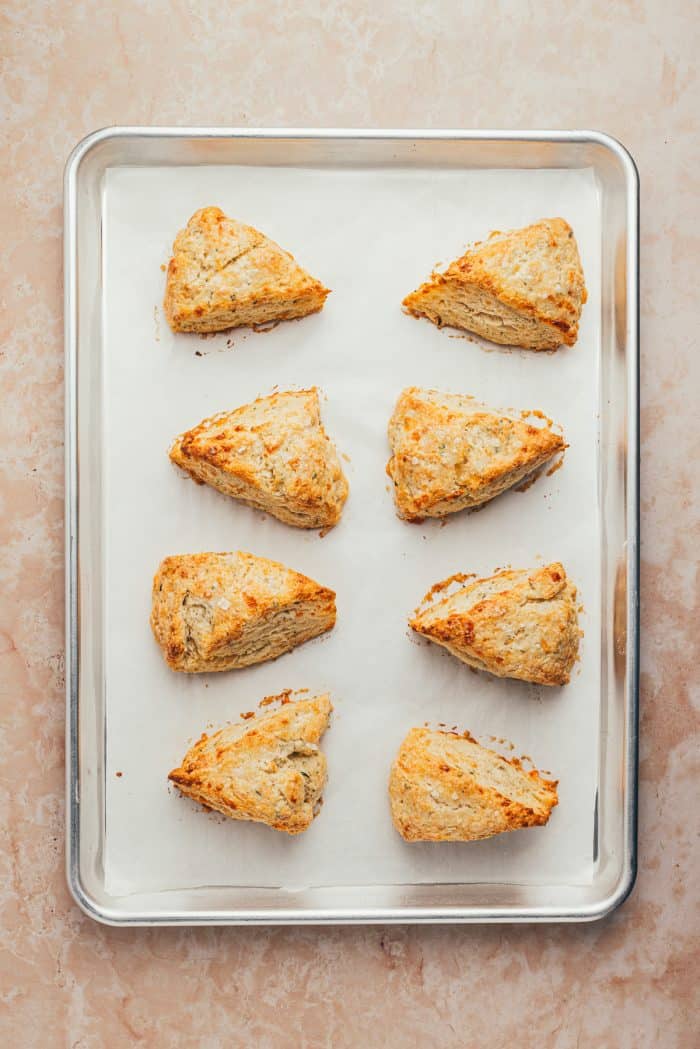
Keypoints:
(371, 232)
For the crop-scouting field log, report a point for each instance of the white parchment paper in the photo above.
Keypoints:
(371, 236)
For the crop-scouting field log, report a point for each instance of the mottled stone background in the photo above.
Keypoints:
(629, 68)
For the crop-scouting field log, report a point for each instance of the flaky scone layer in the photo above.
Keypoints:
(451, 453)
(446, 787)
(268, 769)
(524, 287)
(274, 455)
(223, 611)
(224, 274)
(517, 624)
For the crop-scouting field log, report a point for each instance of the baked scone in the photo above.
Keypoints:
(445, 787)
(452, 453)
(520, 288)
(224, 274)
(268, 769)
(521, 624)
(273, 454)
(224, 611)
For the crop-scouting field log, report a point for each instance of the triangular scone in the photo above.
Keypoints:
(520, 288)
(273, 454)
(513, 624)
(268, 769)
(452, 453)
(224, 274)
(224, 611)
(445, 787)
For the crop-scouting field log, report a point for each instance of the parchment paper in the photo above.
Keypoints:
(371, 236)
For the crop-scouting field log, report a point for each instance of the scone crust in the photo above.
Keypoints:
(516, 624)
(274, 455)
(451, 453)
(224, 274)
(445, 787)
(268, 769)
(535, 272)
(223, 611)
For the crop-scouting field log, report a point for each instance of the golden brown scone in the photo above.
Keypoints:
(273, 454)
(268, 769)
(225, 275)
(521, 624)
(224, 611)
(520, 288)
(452, 453)
(445, 787)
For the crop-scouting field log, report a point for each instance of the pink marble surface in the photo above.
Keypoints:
(629, 68)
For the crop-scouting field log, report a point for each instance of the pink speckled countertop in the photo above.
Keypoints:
(629, 69)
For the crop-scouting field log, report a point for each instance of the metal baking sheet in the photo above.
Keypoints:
(369, 213)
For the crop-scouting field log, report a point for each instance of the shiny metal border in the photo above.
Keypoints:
(355, 914)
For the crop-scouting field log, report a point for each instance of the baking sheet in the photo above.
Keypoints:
(371, 235)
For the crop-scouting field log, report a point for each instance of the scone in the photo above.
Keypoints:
(450, 453)
(445, 787)
(520, 288)
(225, 611)
(268, 769)
(521, 624)
(274, 455)
(224, 274)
